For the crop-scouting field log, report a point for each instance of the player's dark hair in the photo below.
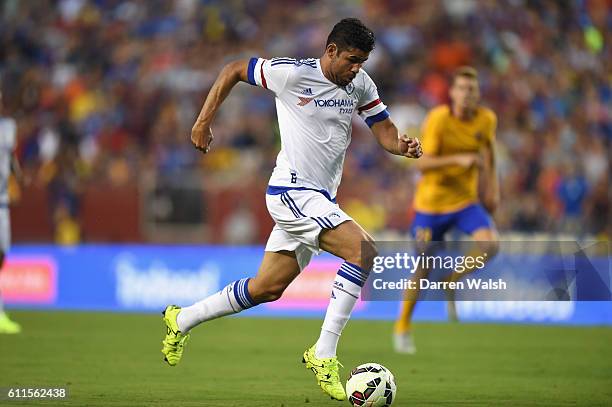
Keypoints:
(351, 33)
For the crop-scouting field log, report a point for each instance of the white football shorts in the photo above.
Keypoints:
(300, 216)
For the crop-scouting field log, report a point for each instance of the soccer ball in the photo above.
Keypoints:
(371, 385)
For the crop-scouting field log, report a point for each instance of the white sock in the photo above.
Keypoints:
(346, 290)
(327, 344)
(232, 299)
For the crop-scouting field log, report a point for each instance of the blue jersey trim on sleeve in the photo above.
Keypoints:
(377, 118)
(251, 71)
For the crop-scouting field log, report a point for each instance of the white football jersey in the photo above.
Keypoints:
(314, 117)
(8, 130)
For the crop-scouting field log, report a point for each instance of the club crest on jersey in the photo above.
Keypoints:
(349, 89)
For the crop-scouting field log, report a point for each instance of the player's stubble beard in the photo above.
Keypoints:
(340, 81)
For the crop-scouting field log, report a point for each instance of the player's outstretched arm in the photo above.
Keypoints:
(432, 162)
(230, 75)
(389, 138)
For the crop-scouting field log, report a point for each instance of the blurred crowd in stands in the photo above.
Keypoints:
(105, 91)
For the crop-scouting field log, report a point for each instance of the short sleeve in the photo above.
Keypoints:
(270, 73)
(370, 107)
(431, 133)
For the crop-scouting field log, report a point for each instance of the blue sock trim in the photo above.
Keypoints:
(350, 278)
(356, 267)
(358, 276)
(356, 272)
(236, 291)
(247, 295)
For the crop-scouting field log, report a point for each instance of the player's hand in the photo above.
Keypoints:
(468, 160)
(202, 137)
(409, 146)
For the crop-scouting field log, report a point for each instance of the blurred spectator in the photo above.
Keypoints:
(572, 191)
(67, 229)
(240, 227)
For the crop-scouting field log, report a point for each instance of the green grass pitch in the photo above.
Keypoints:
(115, 360)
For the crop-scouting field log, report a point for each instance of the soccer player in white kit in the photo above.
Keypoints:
(315, 102)
(8, 163)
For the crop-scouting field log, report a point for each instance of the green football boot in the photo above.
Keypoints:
(7, 326)
(326, 373)
(174, 342)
